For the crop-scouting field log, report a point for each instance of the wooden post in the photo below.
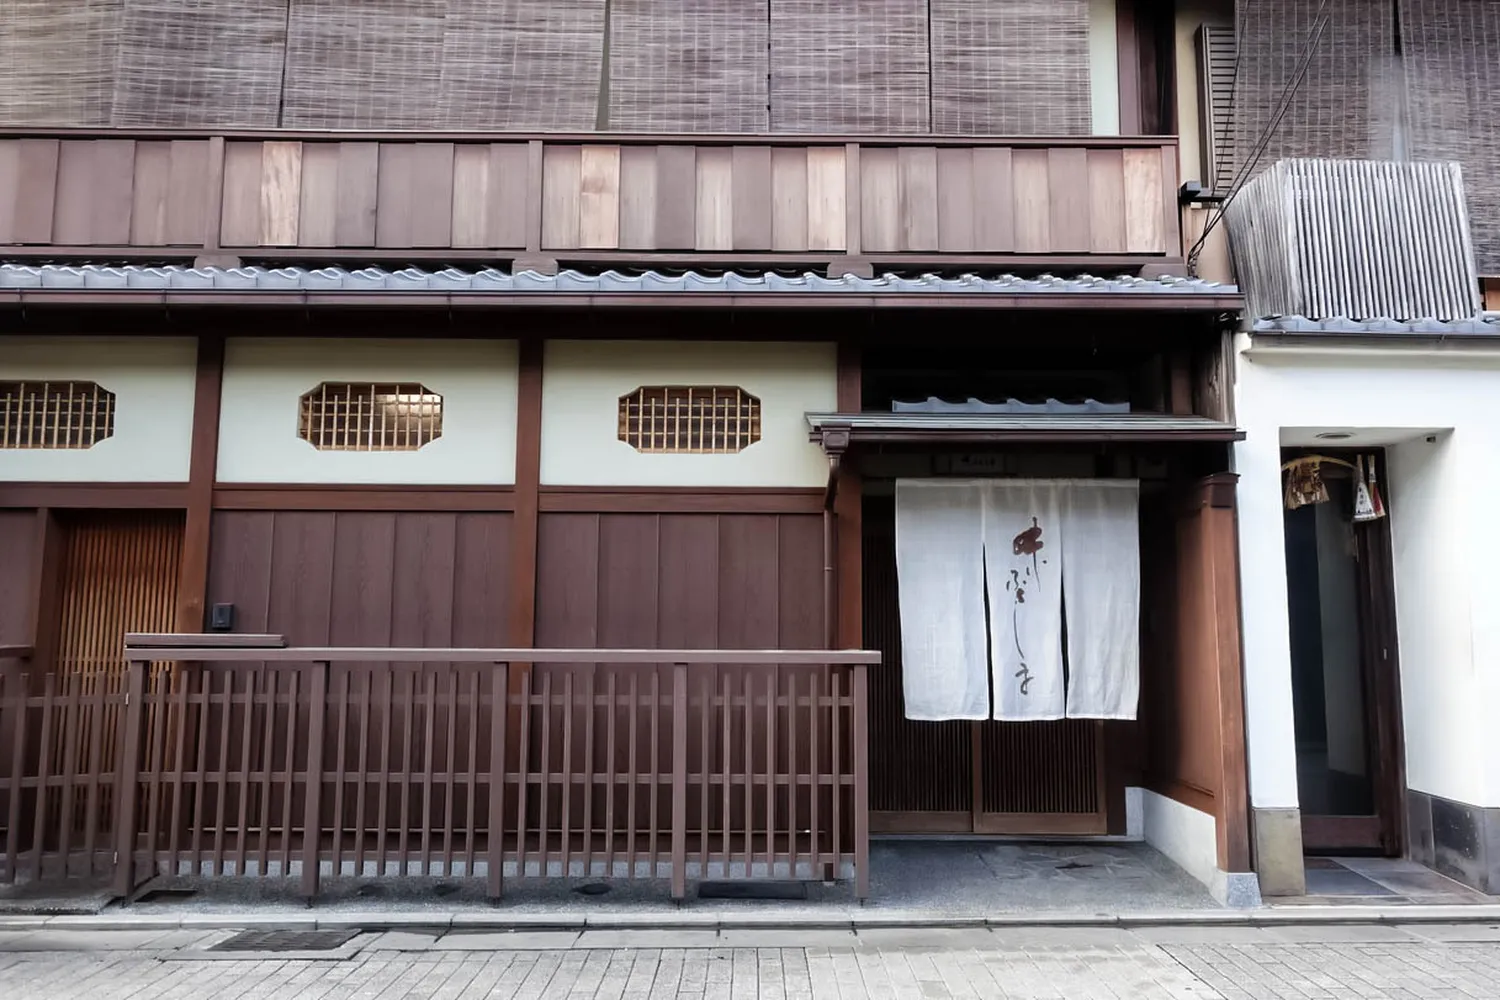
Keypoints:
(127, 779)
(192, 585)
(861, 736)
(679, 780)
(521, 630)
(1221, 575)
(495, 845)
(312, 820)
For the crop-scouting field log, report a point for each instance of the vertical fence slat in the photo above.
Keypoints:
(588, 776)
(544, 853)
(523, 768)
(471, 803)
(495, 846)
(222, 792)
(126, 778)
(861, 748)
(632, 821)
(404, 734)
(16, 707)
(340, 774)
(43, 778)
(679, 779)
(565, 775)
(265, 758)
(362, 779)
(312, 823)
(428, 741)
(383, 792)
(247, 742)
(294, 682)
(72, 699)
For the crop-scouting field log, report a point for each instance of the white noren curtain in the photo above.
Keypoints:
(1024, 570)
(1101, 564)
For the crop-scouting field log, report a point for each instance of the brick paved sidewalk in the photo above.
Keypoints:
(1186, 963)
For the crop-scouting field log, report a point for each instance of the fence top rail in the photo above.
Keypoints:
(140, 649)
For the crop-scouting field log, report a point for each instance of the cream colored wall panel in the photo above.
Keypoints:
(264, 380)
(152, 379)
(582, 383)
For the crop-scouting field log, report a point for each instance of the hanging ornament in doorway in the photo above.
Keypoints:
(1368, 488)
(1304, 482)
(1364, 507)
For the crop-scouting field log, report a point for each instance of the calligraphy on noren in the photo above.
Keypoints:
(1027, 543)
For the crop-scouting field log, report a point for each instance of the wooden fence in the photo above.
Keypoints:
(304, 763)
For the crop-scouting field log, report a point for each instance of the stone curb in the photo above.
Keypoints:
(499, 921)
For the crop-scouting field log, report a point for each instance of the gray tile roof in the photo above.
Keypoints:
(1487, 324)
(452, 280)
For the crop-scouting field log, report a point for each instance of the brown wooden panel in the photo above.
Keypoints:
(567, 580)
(18, 576)
(1106, 201)
(919, 198)
(1144, 231)
(432, 194)
(676, 197)
(75, 184)
(800, 574)
(689, 578)
(629, 609)
(471, 195)
(239, 223)
(153, 186)
(280, 193)
(239, 567)
(749, 598)
(562, 168)
(955, 195)
(1033, 200)
(599, 197)
(714, 211)
(880, 200)
(994, 200)
(393, 205)
(827, 191)
(364, 580)
(481, 571)
(789, 198)
(188, 199)
(36, 190)
(509, 184)
(752, 199)
(1067, 192)
(422, 592)
(318, 215)
(113, 190)
(302, 592)
(638, 197)
(10, 183)
(358, 194)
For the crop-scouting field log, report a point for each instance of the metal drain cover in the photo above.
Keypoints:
(752, 889)
(285, 941)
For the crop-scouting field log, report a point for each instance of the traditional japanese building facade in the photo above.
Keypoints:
(387, 372)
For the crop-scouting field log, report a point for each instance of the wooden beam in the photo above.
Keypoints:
(1221, 548)
(848, 511)
(522, 625)
(192, 584)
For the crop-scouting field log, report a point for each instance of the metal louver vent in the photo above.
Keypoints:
(1361, 239)
(1216, 58)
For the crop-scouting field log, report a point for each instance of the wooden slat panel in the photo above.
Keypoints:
(994, 200)
(827, 186)
(1143, 201)
(1106, 201)
(75, 185)
(10, 176)
(318, 216)
(280, 193)
(471, 195)
(36, 190)
(789, 208)
(752, 201)
(676, 197)
(393, 206)
(880, 200)
(638, 197)
(114, 188)
(955, 191)
(1032, 200)
(1068, 185)
(432, 194)
(239, 222)
(509, 184)
(919, 198)
(358, 193)
(153, 186)
(715, 192)
(599, 197)
(187, 202)
(562, 168)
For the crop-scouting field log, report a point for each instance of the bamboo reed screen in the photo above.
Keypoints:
(519, 64)
(374, 64)
(345, 416)
(200, 63)
(57, 61)
(852, 68)
(1336, 111)
(1015, 68)
(688, 66)
(1452, 76)
(35, 415)
(697, 420)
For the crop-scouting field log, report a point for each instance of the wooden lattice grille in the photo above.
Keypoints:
(55, 414)
(352, 416)
(693, 420)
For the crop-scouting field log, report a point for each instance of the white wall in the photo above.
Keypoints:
(264, 380)
(582, 382)
(1186, 835)
(153, 382)
(1445, 543)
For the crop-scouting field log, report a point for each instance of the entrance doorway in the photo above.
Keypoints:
(1340, 607)
(1001, 778)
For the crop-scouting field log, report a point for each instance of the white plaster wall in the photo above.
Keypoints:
(582, 382)
(153, 382)
(1186, 835)
(1104, 67)
(265, 378)
(1445, 544)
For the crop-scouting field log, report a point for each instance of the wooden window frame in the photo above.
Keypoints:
(689, 419)
(48, 415)
(352, 417)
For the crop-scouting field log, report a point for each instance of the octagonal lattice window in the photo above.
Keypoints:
(689, 420)
(370, 416)
(55, 414)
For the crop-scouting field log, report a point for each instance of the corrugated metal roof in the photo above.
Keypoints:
(1478, 326)
(455, 281)
(916, 427)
